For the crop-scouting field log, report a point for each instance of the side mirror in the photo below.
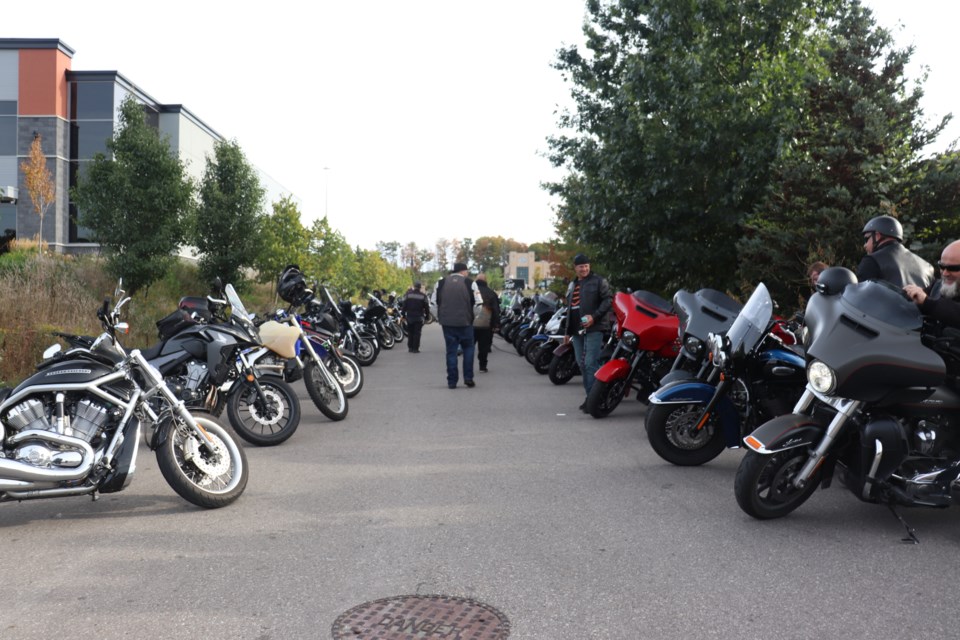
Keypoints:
(51, 351)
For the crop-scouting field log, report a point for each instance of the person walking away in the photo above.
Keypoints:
(486, 321)
(940, 301)
(589, 300)
(415, 309)
(456, 296)
(887, 258)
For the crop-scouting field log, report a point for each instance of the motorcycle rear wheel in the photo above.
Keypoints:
(763, 484)
(264, 426)
(563, 368)
(605, 396)
(328, 397)
(544, 356)
(669, 428)
(197, 477)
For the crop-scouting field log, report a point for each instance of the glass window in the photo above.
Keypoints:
(8, 107)
(8, 135)
(91, 138)
(8, 221)
(93, 101)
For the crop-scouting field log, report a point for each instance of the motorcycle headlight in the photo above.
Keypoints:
(629, 339)
(821, 377)
(693, 346)
(715, 344)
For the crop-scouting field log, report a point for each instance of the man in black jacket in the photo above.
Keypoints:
(456, 297)
(486, 322)
(887, 258)
(590, 301)
(415, 309)
(940, 301)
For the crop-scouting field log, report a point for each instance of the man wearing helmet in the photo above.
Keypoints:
(887, 258)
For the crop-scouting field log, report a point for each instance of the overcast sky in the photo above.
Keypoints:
(430, 115)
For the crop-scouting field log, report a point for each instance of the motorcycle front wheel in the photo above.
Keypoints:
(366, 353)
(605, 396)
(386, 339)
(544, 356)
(563, 368)
(672, 433)
(764, 486)
(397, 330)
(326, 394)
(204, 479)
(264, 423)
(350, 377)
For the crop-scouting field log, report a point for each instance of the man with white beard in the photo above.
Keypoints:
(940, 302)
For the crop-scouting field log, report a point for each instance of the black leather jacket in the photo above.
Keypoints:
(595, 300)
(897, 265)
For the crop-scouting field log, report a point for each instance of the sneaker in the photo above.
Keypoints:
(470, 383)
(451, 386)
(483, 369)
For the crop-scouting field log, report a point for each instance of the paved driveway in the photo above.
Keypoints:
(503, 494)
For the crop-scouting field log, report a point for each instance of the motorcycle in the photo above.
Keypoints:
(700, 313)
(73, 428)
(758, 376)
(880, 408)
(646, 348)
(543, 310)
(208, 357)
(540, 348)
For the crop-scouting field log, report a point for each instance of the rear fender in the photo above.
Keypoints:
(786, 432)
(616, 369)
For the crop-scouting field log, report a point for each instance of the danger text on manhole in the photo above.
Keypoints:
(433, 617)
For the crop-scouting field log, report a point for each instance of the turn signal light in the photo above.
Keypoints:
(753, 443)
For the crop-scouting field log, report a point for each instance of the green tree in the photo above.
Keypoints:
(390, 251)
(851, 156)
(330, 258)
(932, 206)
(679, 112)
(283, 240)
(230, 214)
(135, 202)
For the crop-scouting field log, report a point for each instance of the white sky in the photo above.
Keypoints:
(432, 115)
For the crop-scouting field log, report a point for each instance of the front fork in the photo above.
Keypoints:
(845, 409)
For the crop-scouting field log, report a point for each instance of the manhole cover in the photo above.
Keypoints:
(409, 617)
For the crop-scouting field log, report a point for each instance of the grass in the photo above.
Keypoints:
(46, 292)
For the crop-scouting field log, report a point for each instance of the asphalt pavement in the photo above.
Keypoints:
(503, 494)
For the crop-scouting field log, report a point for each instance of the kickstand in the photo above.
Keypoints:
(911, 532)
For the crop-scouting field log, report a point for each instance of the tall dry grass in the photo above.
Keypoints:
(42, 293)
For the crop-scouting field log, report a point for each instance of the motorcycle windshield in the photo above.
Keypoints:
(239, 312)
(751, 325)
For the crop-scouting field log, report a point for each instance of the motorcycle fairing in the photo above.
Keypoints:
(783, 357)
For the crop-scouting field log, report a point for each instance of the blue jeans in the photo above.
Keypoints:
(459, 338)
(586, 348)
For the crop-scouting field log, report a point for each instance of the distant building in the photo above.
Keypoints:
(526, 267)
(74, 112)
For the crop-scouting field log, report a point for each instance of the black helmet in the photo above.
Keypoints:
(885, 226)
(833, 280)
(291, 285)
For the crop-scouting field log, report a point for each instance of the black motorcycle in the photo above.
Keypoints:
(73, 427)
(207, 358)
(881, 407)
(757, 374)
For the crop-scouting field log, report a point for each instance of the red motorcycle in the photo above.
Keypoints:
(647, 346)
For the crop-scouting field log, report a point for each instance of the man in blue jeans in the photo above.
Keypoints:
(456, 296)
(590, 301)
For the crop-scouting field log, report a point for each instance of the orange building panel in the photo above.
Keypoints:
(43, 82)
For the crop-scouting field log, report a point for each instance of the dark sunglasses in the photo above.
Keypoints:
(866, 237)
(952, 268)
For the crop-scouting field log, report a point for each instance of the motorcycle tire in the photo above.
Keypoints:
(327, 395)
(604, 397)
(763, 484)
(366, 353)
(669, 428)
(531, 349)
(397, 331)
(386, 339)
(521, 340)
(264, 427)
(544, 356)
(563, 368)
(351, 378)
(206, 481)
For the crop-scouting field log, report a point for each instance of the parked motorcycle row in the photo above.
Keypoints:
(860, 388)
(73, 428)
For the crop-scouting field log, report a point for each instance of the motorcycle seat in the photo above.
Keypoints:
(153, 352)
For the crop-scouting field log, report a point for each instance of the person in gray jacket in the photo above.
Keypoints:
(456, 296)
(589, 301)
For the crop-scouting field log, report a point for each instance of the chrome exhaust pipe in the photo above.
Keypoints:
(16, 475)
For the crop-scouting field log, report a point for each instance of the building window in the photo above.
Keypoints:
(523, 273)
(8, 128)
(92, 101)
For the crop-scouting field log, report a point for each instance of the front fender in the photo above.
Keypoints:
(786, 432)
(693, 392)
(616, 369)
(562, 349)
